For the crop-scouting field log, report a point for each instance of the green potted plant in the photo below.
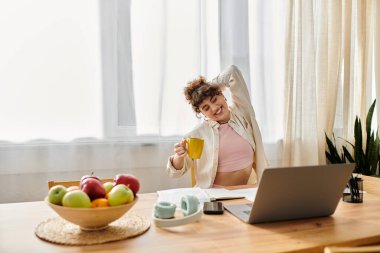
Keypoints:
(366, 157)
(355, 183)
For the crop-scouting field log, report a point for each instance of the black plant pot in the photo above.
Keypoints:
(355, 185)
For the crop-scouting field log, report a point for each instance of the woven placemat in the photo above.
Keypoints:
(57, 230)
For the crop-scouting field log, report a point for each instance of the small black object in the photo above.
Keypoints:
(215, 207)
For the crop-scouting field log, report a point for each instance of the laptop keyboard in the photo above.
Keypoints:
(249, 210)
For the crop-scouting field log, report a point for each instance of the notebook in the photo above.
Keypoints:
(204, 195)
(289, 193)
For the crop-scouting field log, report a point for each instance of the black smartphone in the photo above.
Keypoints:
(214, 207)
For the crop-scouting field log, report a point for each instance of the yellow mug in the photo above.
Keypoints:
(195, 147)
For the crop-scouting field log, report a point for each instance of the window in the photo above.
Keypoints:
(166, 43)
(50, 72)
(87, 68)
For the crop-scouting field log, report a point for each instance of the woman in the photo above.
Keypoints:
(233, 152)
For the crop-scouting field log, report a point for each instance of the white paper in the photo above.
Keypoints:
(248, 193)
(175, 195)
(204, 195)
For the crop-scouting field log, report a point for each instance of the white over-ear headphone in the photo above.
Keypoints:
(164, 212)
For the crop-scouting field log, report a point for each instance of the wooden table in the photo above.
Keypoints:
(352, 224)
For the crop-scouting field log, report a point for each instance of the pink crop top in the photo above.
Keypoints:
(235, 153)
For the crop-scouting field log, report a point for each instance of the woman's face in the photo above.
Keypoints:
(215, 108)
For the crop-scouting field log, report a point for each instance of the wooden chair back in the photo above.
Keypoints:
(193, 172)
(73, 183)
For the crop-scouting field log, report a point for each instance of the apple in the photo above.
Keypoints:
(93, 188)
(56, 194)
(108, 186)
(76, 198)
(88, 176)
(119, 195)
(129, 180)
(72, 188)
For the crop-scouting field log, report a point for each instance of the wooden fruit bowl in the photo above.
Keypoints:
(92, 218)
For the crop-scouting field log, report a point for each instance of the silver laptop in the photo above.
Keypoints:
(290, 193)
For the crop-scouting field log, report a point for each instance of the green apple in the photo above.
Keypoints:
(120, 194)
(56, 194)
(108, 186)
(76, 198)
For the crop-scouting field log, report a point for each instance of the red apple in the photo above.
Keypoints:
(93, 187)
(129, 180)
(89, 176)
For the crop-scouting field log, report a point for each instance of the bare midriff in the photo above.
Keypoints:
(238, 177)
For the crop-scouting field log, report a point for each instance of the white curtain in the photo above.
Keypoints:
(172, 43)
(50, 78)
(376, 54)
(266, 69)
(329, 55)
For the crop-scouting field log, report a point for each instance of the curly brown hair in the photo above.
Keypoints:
(199, 89)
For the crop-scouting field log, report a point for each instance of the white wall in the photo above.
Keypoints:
(26, 169)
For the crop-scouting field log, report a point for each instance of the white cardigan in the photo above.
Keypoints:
(242, 120)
